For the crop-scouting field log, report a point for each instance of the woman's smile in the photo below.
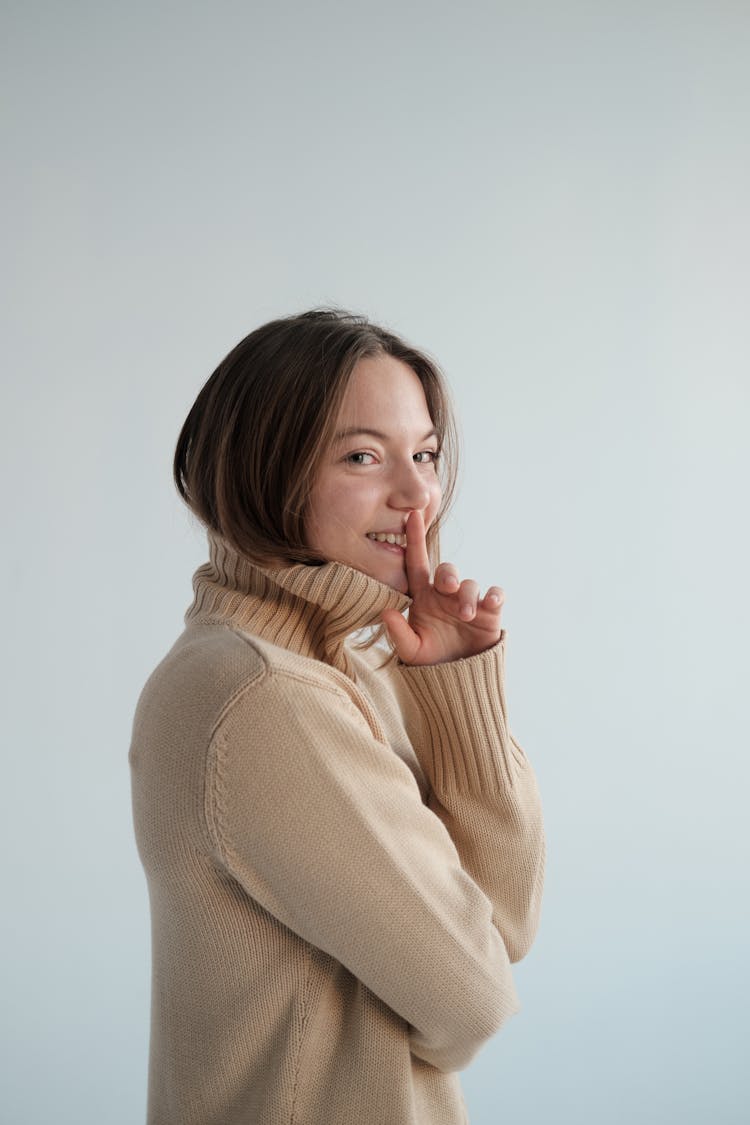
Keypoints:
(385, 544)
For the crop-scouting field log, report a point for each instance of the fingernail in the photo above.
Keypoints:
(467, 612)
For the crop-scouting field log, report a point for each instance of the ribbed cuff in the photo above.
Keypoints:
(465, 744)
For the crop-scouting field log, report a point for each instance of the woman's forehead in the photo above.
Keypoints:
(384, 394)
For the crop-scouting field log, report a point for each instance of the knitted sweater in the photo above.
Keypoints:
(343, 858)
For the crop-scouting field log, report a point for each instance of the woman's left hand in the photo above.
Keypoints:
(447, 618)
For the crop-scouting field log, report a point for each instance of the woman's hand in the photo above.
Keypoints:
(447, 619)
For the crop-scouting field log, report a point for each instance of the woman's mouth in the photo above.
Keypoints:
(388, 540)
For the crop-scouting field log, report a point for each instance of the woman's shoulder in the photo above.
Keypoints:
(217, 673)
(220, 658)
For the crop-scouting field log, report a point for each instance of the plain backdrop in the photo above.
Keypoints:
(552, 199)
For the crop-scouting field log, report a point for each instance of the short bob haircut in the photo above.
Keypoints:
(251, 446)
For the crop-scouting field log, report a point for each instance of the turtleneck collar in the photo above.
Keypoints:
(308, 609)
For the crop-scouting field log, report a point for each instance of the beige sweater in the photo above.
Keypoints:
(342, 859)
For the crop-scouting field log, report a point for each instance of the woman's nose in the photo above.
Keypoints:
(408, 490)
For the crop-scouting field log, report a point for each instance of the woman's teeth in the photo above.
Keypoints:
(382, 537)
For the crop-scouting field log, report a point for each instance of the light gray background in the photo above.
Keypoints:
(552, 198)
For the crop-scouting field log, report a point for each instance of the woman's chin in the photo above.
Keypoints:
(390, 569)
(393, 576)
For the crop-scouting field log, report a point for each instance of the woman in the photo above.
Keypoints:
(344, 848)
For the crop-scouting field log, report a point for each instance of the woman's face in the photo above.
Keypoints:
(380, 467)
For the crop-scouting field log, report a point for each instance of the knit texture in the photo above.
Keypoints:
(343, 858)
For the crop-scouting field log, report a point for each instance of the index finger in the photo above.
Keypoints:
(417, 559)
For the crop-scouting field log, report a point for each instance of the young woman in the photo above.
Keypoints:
(343, 844)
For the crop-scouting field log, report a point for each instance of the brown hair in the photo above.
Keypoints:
(251, 446)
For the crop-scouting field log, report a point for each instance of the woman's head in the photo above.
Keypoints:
(261, 459)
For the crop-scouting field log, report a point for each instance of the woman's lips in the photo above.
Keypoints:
(394, 548)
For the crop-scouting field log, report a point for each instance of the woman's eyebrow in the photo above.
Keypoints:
(356, 431)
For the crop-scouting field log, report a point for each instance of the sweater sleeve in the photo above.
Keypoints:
(324, 826)
(483, 788)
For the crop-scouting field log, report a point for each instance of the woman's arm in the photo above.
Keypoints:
(452, 659)
(482, 786)
(324, 825)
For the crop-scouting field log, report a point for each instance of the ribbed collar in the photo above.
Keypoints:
(308, 609)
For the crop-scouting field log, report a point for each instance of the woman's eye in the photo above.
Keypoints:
(360, 458)
(426, 456)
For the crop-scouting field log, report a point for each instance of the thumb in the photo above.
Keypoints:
(401, 635)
